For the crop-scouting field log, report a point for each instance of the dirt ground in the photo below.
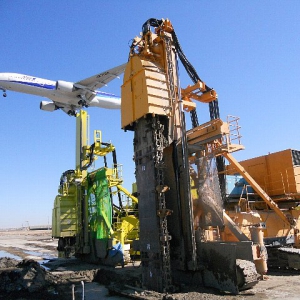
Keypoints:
(71, 278)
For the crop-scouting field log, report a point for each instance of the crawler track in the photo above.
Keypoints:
(284, 258)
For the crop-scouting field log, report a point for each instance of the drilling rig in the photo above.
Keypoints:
(86, 221)
(180, 172)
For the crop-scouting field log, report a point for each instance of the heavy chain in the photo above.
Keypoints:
(159, 145)
(170, 68)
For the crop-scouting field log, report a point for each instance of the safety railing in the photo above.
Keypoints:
(234, 136)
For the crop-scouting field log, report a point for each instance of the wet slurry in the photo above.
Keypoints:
(30, 272)
(24, 274)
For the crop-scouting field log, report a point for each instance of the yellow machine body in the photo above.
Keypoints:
(65, 213)
(143, 91)
(65, 216)
(273, 226)
(276, 173)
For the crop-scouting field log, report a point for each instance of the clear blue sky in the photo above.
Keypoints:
(247, 50)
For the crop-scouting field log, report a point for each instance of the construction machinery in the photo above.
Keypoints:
(180, 173)
(85, 218)
(187, 230)
(275, 209)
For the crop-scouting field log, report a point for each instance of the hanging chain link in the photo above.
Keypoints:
(174, 105)
(170, 67)
(159, 145)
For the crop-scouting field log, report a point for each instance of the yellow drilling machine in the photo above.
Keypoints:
(180, 173)
(85, 218)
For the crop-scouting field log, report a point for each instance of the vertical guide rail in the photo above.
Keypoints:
(82, 123)
(172, 94)
(181, 133)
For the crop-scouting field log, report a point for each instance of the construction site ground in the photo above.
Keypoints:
(31, 270)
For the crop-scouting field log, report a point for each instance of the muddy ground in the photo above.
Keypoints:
(21, 277)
